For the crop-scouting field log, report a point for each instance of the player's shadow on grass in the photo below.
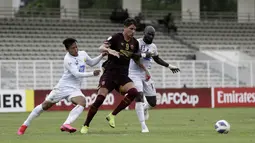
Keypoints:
(107, 132)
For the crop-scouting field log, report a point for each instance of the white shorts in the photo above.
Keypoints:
(147, 87)
(58, 94)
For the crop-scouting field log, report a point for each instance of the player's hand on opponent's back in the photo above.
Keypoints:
(114, 53)
(104, 48)
(96, 72)
(174, 69)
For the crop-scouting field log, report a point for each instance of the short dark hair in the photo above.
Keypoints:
(129, 21)
(68, 42)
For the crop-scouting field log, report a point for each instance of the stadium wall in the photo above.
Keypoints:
(134, 6)
(246, 10)
(26, 100)
(233, 63)
(192, 7)
(69, 9)
(7, 6)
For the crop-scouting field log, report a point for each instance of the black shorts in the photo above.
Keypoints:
(112, 80)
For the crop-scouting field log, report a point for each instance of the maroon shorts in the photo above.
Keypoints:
(112, 80)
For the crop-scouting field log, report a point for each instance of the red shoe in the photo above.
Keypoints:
(22, 130)
(67, 128)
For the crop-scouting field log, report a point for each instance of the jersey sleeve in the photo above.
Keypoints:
(155, 50)
(91, 62)
(70, 66)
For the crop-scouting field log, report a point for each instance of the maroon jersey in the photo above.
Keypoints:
(125, 48)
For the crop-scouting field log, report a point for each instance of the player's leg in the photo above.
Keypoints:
(150, 97)
(139, 107)
(139, 102)
(48, 103)
(102, 92)
(105, 86)
(78, 99)
(129, 88)
(151, 100)
(132, 93)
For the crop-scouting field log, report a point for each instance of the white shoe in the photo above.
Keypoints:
(145, 130)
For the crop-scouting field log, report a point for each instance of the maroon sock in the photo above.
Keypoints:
(93, 109)
(131, 94)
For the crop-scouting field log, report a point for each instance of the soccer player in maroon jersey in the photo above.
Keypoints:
(121, 48)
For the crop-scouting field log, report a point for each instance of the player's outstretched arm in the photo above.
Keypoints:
(161, 62)
(72, 68)
(92, 62)
(78, 74)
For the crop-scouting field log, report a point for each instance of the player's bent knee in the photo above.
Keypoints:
(82, 103)
(102, 91)
(79, 100)
(132, 93)
(139, 98)
(46, 105)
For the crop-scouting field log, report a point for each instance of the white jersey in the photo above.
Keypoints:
(74, 70)
(143, 47)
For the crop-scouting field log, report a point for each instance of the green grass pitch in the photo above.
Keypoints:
(166, 126)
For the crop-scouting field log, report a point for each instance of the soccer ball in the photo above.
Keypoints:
(222, 126)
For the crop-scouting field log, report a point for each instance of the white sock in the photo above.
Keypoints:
(74, 114)
(35, 113)
(140, 113)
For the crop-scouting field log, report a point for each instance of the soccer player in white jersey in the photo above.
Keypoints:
(142, 78)
(68, 86)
